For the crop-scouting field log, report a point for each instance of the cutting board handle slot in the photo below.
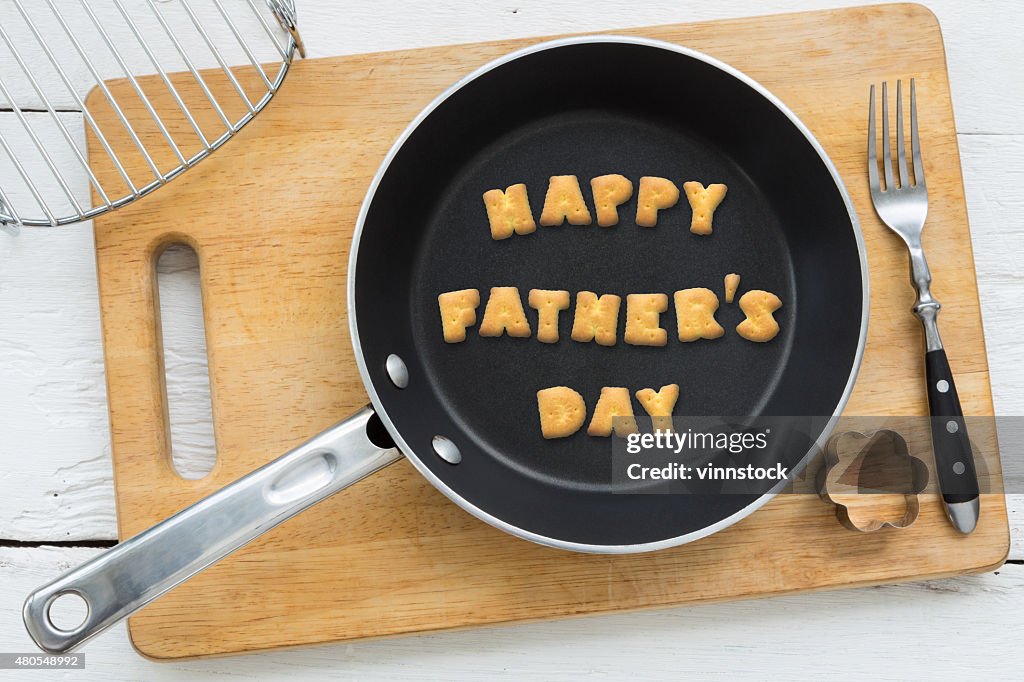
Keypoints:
(180, 330)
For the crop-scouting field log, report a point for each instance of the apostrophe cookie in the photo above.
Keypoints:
(564, 201)
(732, 283)
(703, 201)
(548, 304)
(614, 411)
(458, 311)
(659, 405)
(758, 306)
(504, 314)
(655, 194)
(509, 212)
(643, 319)
(596, 319)
(695, 314)
(610, 191)
(562, 411)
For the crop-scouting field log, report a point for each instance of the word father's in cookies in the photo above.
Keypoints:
(509, 211)
(596, 318)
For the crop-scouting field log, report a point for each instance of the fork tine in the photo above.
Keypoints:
(901, 151)
(872, 145)
(915, 147)
(886, 144)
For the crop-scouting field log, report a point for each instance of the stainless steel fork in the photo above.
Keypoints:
(903, 206)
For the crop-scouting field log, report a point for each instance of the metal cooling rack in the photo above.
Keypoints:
(47, 112)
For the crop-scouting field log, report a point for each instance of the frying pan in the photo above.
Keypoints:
(465, 414)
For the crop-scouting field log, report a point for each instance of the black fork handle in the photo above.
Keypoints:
(954, 459)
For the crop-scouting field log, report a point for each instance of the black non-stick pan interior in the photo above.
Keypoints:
(590, 109)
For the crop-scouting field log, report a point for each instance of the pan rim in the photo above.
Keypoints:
(410, 453)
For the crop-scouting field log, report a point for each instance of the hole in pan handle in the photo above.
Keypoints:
(127, 577)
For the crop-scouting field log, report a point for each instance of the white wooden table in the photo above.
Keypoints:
(56, 492)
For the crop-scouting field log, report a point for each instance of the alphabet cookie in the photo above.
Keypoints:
(760, 325)
(732, 283)
(695, 314)
(562, 411)
(548, 304)
(659, 405)
(504, 314)
(564, 201)
(596, 319)
(643, 319)
(610, 191)
(655, 194)
(614, 412)
(509, 212)
(703, 201)
(458, 311)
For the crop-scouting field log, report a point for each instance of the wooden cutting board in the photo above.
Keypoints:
(271, 217)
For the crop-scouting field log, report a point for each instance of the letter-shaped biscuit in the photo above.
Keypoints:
(614, 411)
(760, 325)
(643, 319)
(504, 313)
(610, 191)
(458, 311)
(509, 212)
(564, 201)
(596, 319)
(655, 194)
(695, 314)
(548, 304)
(659, 405)
(562, 411)
(732, 283)
(703, 202)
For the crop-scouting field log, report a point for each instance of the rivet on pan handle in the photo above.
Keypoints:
(124, 579)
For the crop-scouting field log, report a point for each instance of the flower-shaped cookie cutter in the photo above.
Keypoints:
(866, 475)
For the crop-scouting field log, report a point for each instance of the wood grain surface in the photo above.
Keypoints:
(270, 216)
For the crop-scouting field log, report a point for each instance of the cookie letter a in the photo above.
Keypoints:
(564, 201)
(504, 313)
(614, 411)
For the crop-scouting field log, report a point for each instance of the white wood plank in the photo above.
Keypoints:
(17, 133)
(985, 55)
(963, 627)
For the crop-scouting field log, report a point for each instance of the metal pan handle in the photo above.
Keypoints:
(127, 577)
